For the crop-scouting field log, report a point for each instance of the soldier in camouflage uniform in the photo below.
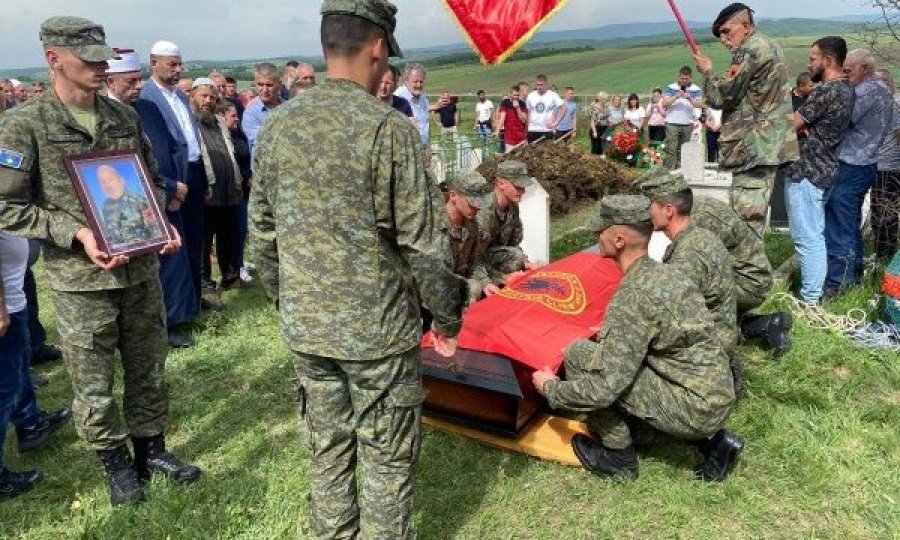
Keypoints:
(656, 359)
(757, 133)
(468, 194)
(752, 271)
(125, 214)
(348, 239)
(103, 303)
(504, 258)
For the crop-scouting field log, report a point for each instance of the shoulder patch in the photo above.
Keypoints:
(11, 159)
(738, 57)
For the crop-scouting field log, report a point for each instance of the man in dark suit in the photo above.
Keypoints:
(191, 180)
(124, 84)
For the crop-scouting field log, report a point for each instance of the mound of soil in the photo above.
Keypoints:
(569, 173)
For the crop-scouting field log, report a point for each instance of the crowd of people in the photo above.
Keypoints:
(359, 249)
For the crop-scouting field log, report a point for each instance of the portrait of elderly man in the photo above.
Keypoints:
(127, 216)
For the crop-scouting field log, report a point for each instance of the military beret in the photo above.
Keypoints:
(660, 183)
(86, 39)
(726, 14)
(474, 187)
(516, 172)
(380, 12)
(620, 210)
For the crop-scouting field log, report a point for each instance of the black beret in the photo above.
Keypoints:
(726, 14)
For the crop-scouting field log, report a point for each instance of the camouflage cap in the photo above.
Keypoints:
(83, 37)
(660, 183)
(516, 172)
(620, 210)
(474, 187)
(379, 12)
(726, 14)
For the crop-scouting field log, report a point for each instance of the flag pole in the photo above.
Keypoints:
(684, 29)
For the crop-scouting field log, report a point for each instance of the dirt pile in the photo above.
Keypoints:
(569, 173)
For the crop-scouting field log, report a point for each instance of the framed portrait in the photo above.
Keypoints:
(118, 201)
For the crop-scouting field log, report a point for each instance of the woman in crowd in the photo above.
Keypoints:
(656, 117)
(599, 122)
(635, 113)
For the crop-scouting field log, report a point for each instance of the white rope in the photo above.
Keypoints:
(855, 320)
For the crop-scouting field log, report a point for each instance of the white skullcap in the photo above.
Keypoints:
(203, 81)
(128, 61)
(15, 82)
(165, 48)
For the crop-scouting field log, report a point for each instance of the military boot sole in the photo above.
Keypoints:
(625, 473)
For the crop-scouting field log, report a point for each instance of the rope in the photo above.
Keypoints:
(855, 320)
(878, 335)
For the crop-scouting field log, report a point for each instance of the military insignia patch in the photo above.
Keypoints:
(560, 291)
(13, 160)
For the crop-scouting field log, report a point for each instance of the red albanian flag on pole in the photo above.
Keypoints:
(534, 319)
(497, 28)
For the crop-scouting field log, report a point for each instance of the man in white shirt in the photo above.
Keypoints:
(413, 91)
(484, 112)
(544, 108)
(680, 101)
(161, 89)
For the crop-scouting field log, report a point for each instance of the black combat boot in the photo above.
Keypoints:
(13, 484)
(720, 454)
(772, 331)
(36, 435)
(150, 457)
(121, 479)
(605, 462)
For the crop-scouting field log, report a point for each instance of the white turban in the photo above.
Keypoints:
(128, 61)
(165, 48)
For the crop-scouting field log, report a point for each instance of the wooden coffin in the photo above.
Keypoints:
(480, 390)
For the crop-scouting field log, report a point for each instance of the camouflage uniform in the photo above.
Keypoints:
(468, 244)
(656, 357)
(757, 130)
(505, 226)
(348, 239)
(124, 220)
(97, 311)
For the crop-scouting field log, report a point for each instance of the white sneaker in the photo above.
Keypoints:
(249, 266)
(245, 275)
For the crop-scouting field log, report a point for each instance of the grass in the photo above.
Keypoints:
(822, 457)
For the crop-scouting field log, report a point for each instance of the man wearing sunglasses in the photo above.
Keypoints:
(755, 97)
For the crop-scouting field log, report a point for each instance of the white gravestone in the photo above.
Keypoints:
(693, 156)
(534, 209)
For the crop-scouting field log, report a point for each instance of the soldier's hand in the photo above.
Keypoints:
(4, 320)
(490, 289)
(704, 63)
(540, 379)
(444, 346)
(100, 258)
(173, 245)
(181, 191)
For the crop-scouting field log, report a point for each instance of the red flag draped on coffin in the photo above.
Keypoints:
(537, 317)
(496, 29)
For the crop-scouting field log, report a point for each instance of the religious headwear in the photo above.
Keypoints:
(516, 172)
(620, 210)
(474, 187)
(203, 81)
(165, 48)
(726, 14)
(380, 12)
(86, 39)
(660, 183)
(127, 62)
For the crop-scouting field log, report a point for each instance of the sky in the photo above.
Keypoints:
(231, 29)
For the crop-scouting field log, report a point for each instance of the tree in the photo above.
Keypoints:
(882, 35)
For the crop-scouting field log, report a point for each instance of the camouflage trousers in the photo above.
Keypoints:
(93, 325)
(659, 404)
(370, 411)
(750, 194)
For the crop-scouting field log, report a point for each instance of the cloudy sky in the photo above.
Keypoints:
(231, 29)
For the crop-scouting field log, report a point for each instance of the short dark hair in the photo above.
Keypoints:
(292, 63)
(633, 97)
(644, 229)
(683, 201)
(803, 78)
(833, 46)
(479, 92)
(223, 105)
(685, 70)
(541, 77)
(230, 80)
(395, 71)
(572, 88)
(657, 89)
(344, 35)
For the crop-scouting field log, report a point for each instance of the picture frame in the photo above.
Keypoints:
(118, 201)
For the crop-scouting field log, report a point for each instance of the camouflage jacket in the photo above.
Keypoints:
(656, 321)
(752, 269)
(347, 235)
(467, 247)
(506, 232)
(36, 196)
(755, 99)
(700, 255)
(124, 220)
